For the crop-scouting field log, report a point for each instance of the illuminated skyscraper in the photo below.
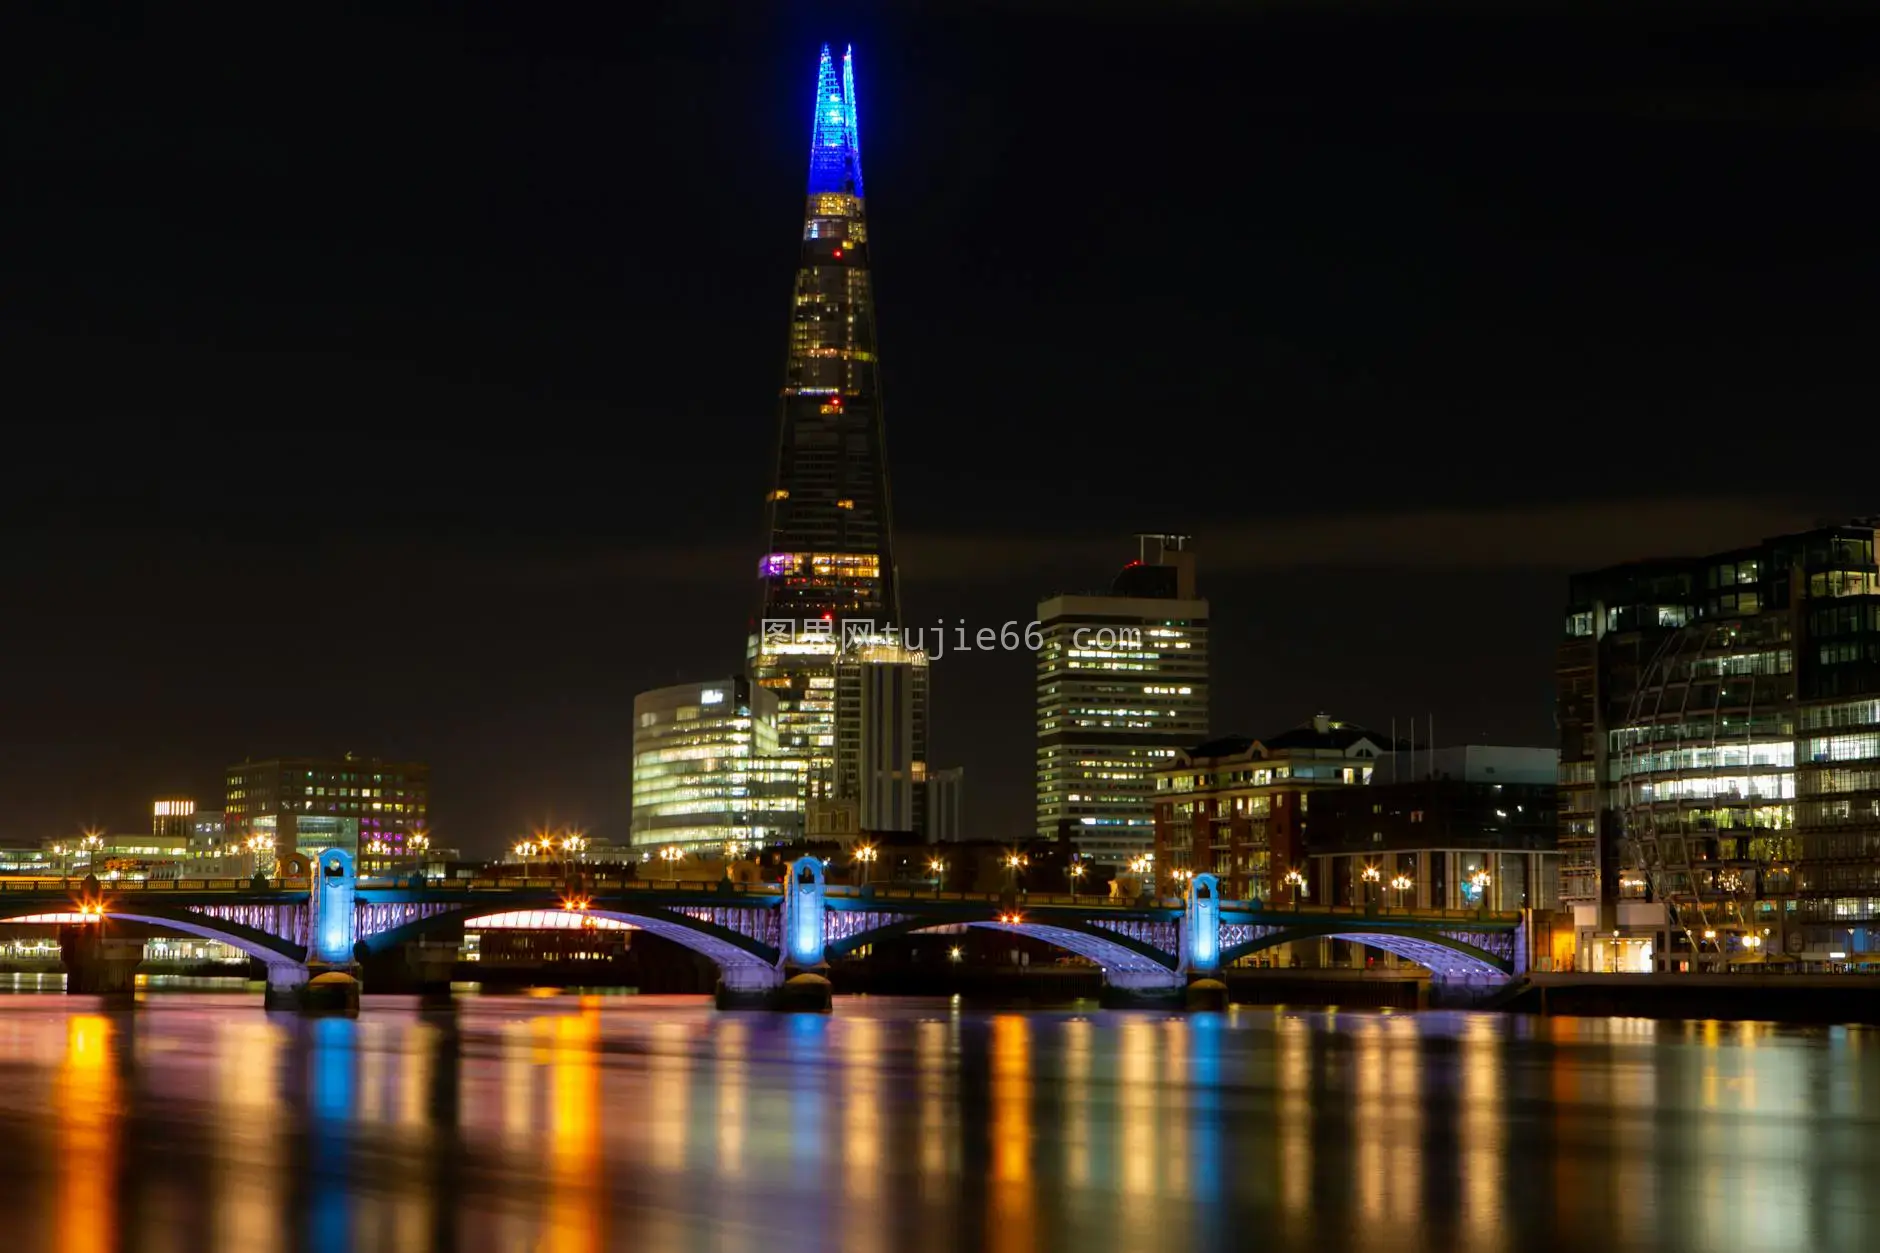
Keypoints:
(1122, 688)
(830, 559)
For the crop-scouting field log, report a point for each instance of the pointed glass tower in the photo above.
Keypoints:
(828, 572)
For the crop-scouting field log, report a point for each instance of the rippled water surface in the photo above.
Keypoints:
(197, 1122)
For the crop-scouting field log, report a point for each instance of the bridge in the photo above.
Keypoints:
(758, 935)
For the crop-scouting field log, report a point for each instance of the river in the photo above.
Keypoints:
(197, 1123)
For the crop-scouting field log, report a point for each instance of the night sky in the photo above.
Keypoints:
(407, 384)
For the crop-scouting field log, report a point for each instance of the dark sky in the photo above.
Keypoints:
(406, 384)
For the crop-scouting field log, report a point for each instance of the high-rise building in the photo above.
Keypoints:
(830, 556)
(1122, 688)
(881, 735)
(308, 804)
(1720, 755)
(706, 771)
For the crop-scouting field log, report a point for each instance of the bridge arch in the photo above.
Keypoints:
(1444, 956)
(738, 957)
(268, 948)
(1124, 959)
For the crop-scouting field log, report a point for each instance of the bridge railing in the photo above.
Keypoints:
(894, 895)
(36, 883)
(1387, 912)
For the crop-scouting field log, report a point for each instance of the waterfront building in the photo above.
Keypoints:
(707, 773)
(1236, 806)
(1122, 688)
(208, 833)
(829, 565)
(1469, 827)
(1720, 756)
(308, 804)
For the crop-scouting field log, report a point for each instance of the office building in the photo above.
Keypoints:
(1122, 687)
(946, 805)
(830, 561)
(707, 774)
(308, 804)
(1720, 756)
(208, 833)
(1236, 806)
(881, 735)
(1468, 827)
(172, 820)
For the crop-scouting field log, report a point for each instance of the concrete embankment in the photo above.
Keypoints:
(1735, 998)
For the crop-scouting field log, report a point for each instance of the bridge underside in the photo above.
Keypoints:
(1447, 960)
(741, 969)
(1123, 967)
(255, 944)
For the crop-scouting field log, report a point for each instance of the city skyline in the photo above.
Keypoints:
(460, 582)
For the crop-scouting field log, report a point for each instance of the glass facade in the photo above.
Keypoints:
(706, 771)
(1724, 746)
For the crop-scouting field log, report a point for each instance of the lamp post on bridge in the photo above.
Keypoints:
(1371, 876)
(1402, 884)
(938, 870)
(1297, 882)
(1014, 862)
(1074, 871)
(671, 855)
(865, 856)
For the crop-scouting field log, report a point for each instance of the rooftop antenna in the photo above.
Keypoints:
(1164, 544)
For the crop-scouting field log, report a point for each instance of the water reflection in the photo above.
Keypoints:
(1011, 1216)
(86, 1101)
(576, 1127)
(247, 1134)
(576, 1186)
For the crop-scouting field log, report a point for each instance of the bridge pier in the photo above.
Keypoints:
(315, 988)
(431, 966)
(1140, 990)
(287, 981)
(97, 966)
(748, 987)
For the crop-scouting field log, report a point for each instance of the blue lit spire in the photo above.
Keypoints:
(835, 146)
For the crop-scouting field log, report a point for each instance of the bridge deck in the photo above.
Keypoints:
(839, 896)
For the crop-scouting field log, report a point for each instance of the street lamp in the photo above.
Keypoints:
(671, 854)
(1297, 882)
(865, 855)
(1014, 862)
(1371, 876)
(937, 869)
(1402, 884)
(1076, 871)
(1479, 881)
